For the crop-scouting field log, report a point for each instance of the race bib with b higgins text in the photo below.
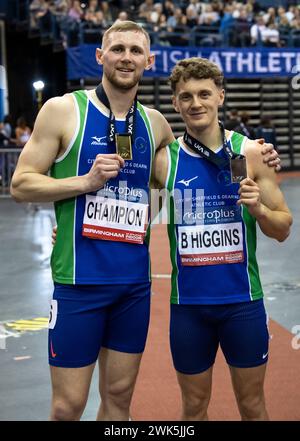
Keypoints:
(211, 244)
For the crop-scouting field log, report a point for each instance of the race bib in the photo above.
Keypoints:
(211, 244)
(114, 219)
(52, 314)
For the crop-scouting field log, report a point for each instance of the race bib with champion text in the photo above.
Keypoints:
(114, 219)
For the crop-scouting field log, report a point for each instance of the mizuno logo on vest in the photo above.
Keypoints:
(99, 141)
(186, 182)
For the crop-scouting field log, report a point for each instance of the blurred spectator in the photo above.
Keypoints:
(7, 129)
(161, 25)
(244, 127)
(168, 8)
(154, 16)
(4, 140)
(61, 7)
(254, 5)
(76, 11)
(284, 29)
(98, 12)
(281, 12)
(123, 16)
(227, 24)
(233, 120)
(176, 20)
(295, 22)
(270, 16)
(37, 9)
(196, 6)
(210, 16)
(91, 10)
(145, 9)
(241, 36)
(23, 132)
(257, 29)
(94, 16)
(266, 130)
(59, 11)
(270, 36)
(176, 26)
(291, 13)
(191, 17)
(283, 23)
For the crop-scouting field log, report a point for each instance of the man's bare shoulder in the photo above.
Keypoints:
(153, 113)
(161, 128)
(60, 114)
(252, 147)
(253, 151)
(255, 164)
(60, 104)
(56, 122)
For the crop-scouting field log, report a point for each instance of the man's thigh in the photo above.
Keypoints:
(71, 385)
(84, 318)
(193, 338)
(244, 336)
(76, 325)
(127, 320)
(248, 381)
(117, 371)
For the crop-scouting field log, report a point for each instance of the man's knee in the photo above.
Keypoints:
(67, 410)
(119, 392)
(196, 404)
(252, 406)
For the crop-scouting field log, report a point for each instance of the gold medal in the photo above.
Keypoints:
(123, 144)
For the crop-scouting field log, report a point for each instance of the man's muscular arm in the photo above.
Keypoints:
(158, 181)
(160, 169)
(261, 194)
(30, 181)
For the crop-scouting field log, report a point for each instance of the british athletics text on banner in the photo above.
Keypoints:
(234, 62)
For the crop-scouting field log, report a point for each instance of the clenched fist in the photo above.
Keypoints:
(249, 193)
(105, 167)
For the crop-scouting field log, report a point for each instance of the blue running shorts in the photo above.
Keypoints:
(84, 318)
(197, 330)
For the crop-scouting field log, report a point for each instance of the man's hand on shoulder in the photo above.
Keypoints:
(270, 155)
(257, 164)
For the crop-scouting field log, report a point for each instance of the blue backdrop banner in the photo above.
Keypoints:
(234, 62)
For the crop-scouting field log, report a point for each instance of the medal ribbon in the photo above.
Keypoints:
(130, 117)
(207, 153)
